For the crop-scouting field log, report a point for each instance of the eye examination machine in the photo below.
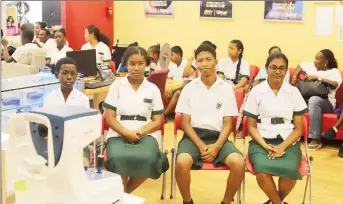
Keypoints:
(52, 163)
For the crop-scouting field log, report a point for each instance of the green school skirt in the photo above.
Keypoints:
(285, 166)
(208, 137)
(142, 159)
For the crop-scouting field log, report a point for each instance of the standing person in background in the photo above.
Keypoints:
(234, 69)
(60, 51)
(96, 41)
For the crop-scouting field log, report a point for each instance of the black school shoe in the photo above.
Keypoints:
(340, 152)
(270, 202)
(330, 134)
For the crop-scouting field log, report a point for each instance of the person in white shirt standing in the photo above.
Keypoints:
(176, 73)
(95, 41)
(207, 106)
(323, 69)
(67, 95)
(60, 51)
(235, 69)
(20, 55)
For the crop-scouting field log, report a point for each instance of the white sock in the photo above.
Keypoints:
(335, 129)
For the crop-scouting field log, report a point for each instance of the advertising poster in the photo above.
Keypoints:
(216, 9)
(291, 11)
(159, 8)
(11, 20)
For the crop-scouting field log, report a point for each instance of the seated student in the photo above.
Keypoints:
(45, 41)
(153, 58)
(60, 51)
(122, 68)
(234, 69)
(323, 69)
(274, 149)
(96, 41)
(38, 27)
(15, 40)
(331, 133)
(207, 106)
(133, 109)
(262, 74)
(191, 65)
(176, 73)
(67, 95)
(20, 55)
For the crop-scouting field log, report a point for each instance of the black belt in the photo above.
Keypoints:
(275, 121)
(133, 117)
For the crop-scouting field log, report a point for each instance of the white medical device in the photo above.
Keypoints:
(53, 165)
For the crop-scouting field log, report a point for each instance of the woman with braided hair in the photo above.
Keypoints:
(234, 69)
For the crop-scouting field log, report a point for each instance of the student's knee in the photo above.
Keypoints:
(184, 162)
(262, 176)
(235, 162)
(314, 101)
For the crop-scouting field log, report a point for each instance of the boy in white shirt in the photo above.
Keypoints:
(45, 41)
(176, 73)
(19, 55)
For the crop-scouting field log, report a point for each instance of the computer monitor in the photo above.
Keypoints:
(86, 61)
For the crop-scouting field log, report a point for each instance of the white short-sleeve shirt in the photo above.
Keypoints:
(207, 107)
(228, 69)
(50, 44)
(20, 55)
(54, 54)
(75, 98)
(144, 102)
(331, 74)
(176, 72)
(262, 104)
(103, 53)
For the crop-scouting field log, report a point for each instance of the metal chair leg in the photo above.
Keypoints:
(172, 174)
(239, 196)
(310, 188)
(174, 181)
(307, 181)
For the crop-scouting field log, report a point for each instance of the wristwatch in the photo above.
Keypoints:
(319, 79)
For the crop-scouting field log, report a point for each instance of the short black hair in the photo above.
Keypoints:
(42, 24)
(26, 26)
(156, 49)
(28, 34)
(207, 42)
(177, 50)
(47, 31)
(205, 48)
(62, 30)
(62, 61)
(134, 51)
(277, 55)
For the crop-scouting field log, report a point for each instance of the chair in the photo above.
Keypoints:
(253, 71)
(112, 67)
(105, 128)
(305, 168)
(159, 78)
(206, 166)
(239, 94)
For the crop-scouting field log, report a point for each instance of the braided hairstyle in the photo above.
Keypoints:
(239, 46)
(330, 57)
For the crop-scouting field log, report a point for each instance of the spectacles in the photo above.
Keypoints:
(281, 69)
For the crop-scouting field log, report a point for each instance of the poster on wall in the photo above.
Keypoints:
(11, 20)
(159, 8)
(216, 9)
(27, 11)
(290, 11)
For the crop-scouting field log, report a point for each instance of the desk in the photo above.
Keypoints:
(99, 94)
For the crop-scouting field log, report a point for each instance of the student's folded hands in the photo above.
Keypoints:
(275, 151)
(132, 136)
(210, 153)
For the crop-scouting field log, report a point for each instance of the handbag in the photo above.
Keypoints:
(313, 88)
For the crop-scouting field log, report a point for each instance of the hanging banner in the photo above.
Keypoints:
(159, 8)
(11, 20)
(216, 9)
(291, 11)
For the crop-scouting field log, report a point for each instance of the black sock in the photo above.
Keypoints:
(189, 202)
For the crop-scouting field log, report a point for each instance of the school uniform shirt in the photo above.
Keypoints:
(228, 69)
(103, 53)
(207, 107)
(21, 56)
(75, 98)
(332, 74)
(176, 72)
(50, 44)
(144, 102)
(262, 74)
(54, 54)
(262, 104)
